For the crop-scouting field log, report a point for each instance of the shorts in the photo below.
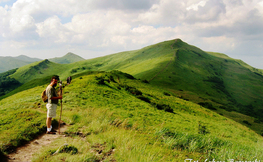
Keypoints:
(51, 110)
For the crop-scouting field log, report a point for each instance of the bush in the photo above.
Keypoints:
(166, 94)
(246, 122)
(145, 81)
(144, 99)
(164, 107)
(207, 105)
(100, 80)
(68, 149)
(202, 128)
(132, 90)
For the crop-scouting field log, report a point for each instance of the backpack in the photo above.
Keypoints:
(44, 96)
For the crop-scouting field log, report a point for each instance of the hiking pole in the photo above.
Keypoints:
(60, 87)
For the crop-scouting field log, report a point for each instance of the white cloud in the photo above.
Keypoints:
(24, 22)
(52, 30)
(117, 25)
(196, 6)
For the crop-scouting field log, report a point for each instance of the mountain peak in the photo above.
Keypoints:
(26, 58)
(67, 59)
(70, 54)
(178, 43)
(177, 40)
(46, 61)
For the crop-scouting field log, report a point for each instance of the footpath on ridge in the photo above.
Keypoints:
(25, 153)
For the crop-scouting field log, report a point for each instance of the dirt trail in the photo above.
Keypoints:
(24, 153)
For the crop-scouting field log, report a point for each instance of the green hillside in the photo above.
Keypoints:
(114, 117)
(27, 59)
(213, 80)
(37, 70)
(67, 59)
(8, 63)
(8, 84)
(30, 73)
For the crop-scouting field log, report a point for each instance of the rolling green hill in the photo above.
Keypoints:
(185, 103)
(212, 80)
(8, 63)
(27, 59)
(37, 70)
(68, 58)
(115, 117)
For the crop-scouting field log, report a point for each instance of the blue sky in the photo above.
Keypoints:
(94, 28)
(7, 2)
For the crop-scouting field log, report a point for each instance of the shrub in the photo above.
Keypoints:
(202, 128)
(68, 149)
(207, 105)
(100, 80)
(132, 90)
(145, 81)
(166, 94)
(164, 107)
(144, 98)
(246, 122)
(73, 71)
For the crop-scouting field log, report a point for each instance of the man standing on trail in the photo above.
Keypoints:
(52, 102)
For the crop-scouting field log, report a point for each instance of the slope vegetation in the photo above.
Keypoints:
(8, 63)
(212, 80)
(38, 70)
(115, 117)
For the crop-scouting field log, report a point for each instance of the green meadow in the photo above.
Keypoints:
(115, 117)
(210, 79)
(166, 102)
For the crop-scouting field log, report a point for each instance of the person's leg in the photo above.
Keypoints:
(49, 119)
(48, 122)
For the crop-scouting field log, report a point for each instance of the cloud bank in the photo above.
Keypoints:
(48, 28)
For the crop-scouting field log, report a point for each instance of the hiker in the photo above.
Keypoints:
(69, 80)
(52, 103)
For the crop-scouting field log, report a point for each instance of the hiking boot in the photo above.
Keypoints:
(49, 132)
(53, 130)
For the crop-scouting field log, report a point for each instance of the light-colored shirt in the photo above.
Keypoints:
(51, 92)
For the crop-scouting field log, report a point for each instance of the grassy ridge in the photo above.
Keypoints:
(127, 120)
(202, 77)
(8, 84)
(212, 80)
(38, 70)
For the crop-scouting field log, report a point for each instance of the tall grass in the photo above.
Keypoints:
(115, 117)
(212, 80)
(112, 118)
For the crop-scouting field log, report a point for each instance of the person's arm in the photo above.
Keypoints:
(56, 98)
(50, 96)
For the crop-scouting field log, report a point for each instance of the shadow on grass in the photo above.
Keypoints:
(3, 157)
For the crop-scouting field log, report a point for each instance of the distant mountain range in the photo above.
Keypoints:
(212, 80)
(166, 102)
(8, 62)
